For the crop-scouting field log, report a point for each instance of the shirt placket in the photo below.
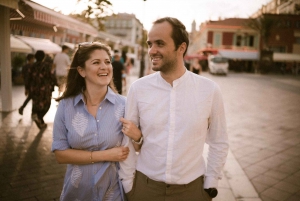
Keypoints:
(171, 136)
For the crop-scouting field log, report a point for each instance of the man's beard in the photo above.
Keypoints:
(166, 66)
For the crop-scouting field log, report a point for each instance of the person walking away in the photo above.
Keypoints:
(41, 86)
(118, 71)
(25, 70)
(61, 64)
(195, 67)
(87, 133)
(170, 163)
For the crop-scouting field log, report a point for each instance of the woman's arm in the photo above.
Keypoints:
(74, 156)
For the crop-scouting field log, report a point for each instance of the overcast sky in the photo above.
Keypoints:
(184, 10)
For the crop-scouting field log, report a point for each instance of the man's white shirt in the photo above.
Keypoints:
(175, 122)
(62, 62)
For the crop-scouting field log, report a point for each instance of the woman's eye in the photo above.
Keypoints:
(108, 62)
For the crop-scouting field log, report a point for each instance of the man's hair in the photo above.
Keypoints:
(39, 55)
(64, 47)
(29, 57)
(179, 33)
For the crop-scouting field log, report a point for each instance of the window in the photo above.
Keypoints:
(238, 41)
(251, 41)
(217, 39)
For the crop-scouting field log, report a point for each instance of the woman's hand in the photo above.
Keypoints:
(117, 153)
(131, 130)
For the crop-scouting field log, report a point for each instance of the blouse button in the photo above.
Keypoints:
(100, 108)
(97, 120)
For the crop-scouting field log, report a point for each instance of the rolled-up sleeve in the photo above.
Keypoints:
(60, 141)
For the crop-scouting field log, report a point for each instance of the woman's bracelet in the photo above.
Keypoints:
(91, 157)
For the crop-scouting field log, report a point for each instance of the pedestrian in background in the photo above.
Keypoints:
(177, 112)
(119, 72)
(25, 70)
(87, 133)
(60, 67)
(196, 67)
(41, 86)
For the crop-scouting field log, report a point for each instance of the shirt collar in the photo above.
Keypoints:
(177, 81)
(110, 96)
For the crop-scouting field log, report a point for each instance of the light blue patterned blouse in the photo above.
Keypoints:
(74, 127)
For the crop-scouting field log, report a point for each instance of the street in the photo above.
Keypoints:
(263, 120)
(262, 111)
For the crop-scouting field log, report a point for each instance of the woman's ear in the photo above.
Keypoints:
(81, 71)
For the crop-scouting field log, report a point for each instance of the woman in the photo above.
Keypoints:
(41, 82)
(87, 131)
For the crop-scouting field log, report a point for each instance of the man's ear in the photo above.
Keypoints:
(81, 71)
(182, 47)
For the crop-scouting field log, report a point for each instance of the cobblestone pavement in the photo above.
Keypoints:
(263, 119)
(263, 115)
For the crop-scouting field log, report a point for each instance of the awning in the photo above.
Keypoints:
(195, 56)
(10, 3)
(240, 54)
(41, 44)
(17, 45)
(286, 57)
(49, 16)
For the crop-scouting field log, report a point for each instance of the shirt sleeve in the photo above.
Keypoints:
(128, 167)
(217, 140)
(60, 140)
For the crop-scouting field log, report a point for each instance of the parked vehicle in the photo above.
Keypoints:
(217, 64)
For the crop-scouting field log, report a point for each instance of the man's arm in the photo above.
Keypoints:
(217, 140)
(128, 167)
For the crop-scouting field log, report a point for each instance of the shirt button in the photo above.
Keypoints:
(95, 134)
(100, 108)
(97, 120)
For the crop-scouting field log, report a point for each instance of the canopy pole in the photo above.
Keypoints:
(5, 60)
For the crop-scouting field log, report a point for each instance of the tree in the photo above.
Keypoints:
(95, 12)
(263, 25)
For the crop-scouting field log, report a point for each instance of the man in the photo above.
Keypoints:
(177, 112)
(61, 63)
(118, 71)
(25, 70)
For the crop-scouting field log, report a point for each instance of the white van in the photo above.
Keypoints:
(217, 64)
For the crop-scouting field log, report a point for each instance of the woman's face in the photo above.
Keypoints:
(98, 69)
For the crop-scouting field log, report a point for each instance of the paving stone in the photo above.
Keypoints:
(293, 180)
(288, 187)
(276, 194)
(265, 180)
(259, 187)
(276, 174)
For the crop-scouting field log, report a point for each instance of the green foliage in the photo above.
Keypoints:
(263, 25)
(18, 61)
(95, 12)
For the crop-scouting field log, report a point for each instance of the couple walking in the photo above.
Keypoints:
(89, 126)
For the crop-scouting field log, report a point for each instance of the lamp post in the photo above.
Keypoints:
(142, 69)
